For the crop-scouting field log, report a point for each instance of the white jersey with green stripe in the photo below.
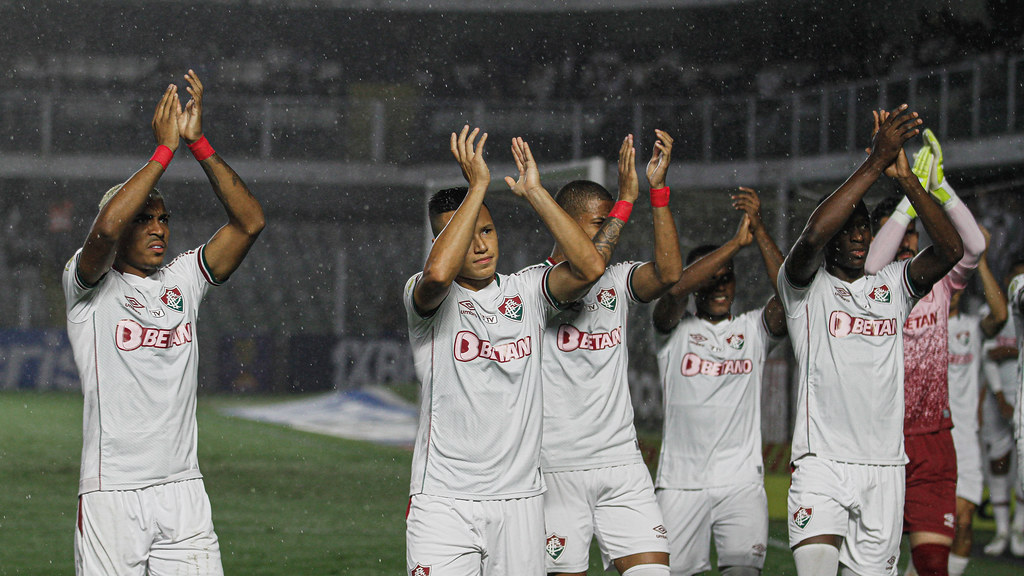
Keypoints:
(1015, 293)
(478, 361)
(588, 415)
(135, 344)
(848, 341)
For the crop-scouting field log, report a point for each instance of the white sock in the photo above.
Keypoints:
(911, 570)
(816, 560)
(999, 493)
(740, 571)
(647, 570)
(957, 564)
(1018, 516)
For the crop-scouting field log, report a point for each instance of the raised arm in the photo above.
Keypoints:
(748, 201)
(229, 245)
(116, 215)
(671, 307)
(584, 265)
(607, 237)
(997, 315)
(448, 252)
(807, 252)
(653, 279)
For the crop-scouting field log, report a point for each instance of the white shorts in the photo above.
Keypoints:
(616, 504)
(736, 516)
(161, 530)
(861, 503)
(969, 476)
(451, 537)
(996, 431)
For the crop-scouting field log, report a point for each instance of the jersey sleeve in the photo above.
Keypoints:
(1016, 294)
(192, 267)
(78, 296)
(417, 324)
(793, 297)
(898, 274)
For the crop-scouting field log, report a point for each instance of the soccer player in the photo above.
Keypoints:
(930, 506)
(475, 505)
(597, 481)
(846, 496)
(1016, 291)
(710, 474)
(999, 365)
(142, 506)
(965, 339)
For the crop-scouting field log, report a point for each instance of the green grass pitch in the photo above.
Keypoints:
(284, 502)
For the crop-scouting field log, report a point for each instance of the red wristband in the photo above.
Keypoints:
(659, 197)
(621, 210)
(201, 149)
(162, 156)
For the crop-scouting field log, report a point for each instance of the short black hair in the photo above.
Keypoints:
(575, 196)
(700, 252)
(884, 209)
(447, 200)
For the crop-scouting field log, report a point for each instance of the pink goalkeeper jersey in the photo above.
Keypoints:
(926, 358)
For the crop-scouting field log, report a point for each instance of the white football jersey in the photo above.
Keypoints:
(1016, 297)
(848, 342)
(588, 415)
(1002, 374)
(478, 361)
(711, 381)
(135, 344)
(965, 339)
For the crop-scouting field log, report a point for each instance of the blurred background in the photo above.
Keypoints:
(337, 114)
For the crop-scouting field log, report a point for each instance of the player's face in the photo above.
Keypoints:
(482, 257)
(848, 250)
(714, 298)
(594, 216)
(142, 246)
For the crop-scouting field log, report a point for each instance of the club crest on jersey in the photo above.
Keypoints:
(512, 308)
(172, 299)
(554, 546)
(133, 303)
(735, 341)
(963, 338)
(420, 570)
(881, 294)
(802, 516)
(607, 298)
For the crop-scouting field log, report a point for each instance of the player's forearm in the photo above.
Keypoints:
(668, 310)
(448, 252)
(970, 234)
(607, 237)
(243, 209)
(992, 323)
(946, 241)
(668, 258)
(885, 245)
(585, 262)
(770, 253)
(830, 216)
(704, 268)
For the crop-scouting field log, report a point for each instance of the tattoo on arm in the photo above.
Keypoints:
(607, 237)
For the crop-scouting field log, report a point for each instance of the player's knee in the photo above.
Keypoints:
(931, 559)
(740, 571)
(647, 570)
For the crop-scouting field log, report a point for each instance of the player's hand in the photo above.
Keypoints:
(657, 168)
(629, 186)
(744, 235)
(899, 168)
(748, 201)
(190, 122)
(165, 119)
(529, 174)
(894, 129)
(470, 158)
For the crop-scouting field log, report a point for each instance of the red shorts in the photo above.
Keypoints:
(931, 483)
